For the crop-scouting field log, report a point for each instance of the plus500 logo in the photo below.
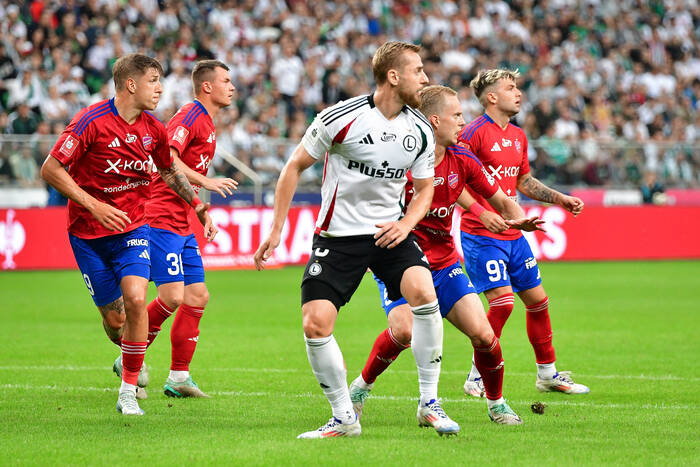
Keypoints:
(386, 172)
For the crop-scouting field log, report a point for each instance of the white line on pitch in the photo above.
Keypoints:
(298, 370)
(308, 395)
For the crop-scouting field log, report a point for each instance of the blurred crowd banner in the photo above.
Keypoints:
(37, 238)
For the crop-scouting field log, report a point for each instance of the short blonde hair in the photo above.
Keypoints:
(433, 99)
(486, 78)
(389, 56)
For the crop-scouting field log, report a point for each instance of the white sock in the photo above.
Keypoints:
(127, 387)
(426, 344)
(327, 364)
(546, 370)
(490, 403)
(179, 376)
(473, 373)
(363, 384)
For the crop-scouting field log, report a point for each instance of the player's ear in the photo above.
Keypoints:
(435, 120)
(393, 77)
(131, 85)
(206, 87)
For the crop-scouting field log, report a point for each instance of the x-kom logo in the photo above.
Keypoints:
(204, 162)
(500, 171)
(138, 165)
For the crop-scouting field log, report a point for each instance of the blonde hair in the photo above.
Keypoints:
(389, 56)
(133, 66)
(433, 98)
(486, 78)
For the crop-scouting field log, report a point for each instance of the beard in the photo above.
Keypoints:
(411, 99)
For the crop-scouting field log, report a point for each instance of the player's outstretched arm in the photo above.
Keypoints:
(55, 175)
(492, 221)
(299, 161)
(391, 234)
(535, 189)
(177, 180)
(221, 185)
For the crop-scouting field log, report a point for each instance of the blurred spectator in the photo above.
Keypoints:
(23, 121)
(652, 189)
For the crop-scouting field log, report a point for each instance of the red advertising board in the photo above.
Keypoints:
(37, 238)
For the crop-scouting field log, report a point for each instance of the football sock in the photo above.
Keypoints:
(132, 359)
(489, 361)
(184, 336)
(126, 387)
(328, 366)
(426, 344)
(158, 312)
(546, 370)
(384, 351)
(490, 403)
(539, 331)
(179, 376)
(499, 311)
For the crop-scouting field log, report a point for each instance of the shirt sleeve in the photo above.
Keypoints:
(179, 136)
(71, 146)
(317, 141)
(424, 165)
(161, 152)
(525, 164)
(478, 178)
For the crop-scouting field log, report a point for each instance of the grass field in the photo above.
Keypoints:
(628, 330)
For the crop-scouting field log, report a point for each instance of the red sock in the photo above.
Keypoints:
(489, 362)
(158, 312)
(132, 358)
(499, 311)
(539, 331)
(184, 336)
(384, 351)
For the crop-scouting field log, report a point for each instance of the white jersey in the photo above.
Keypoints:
(367, 158)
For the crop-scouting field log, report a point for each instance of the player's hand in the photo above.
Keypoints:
(221, 185)
(391, 234)
(110, 217)
(572, 204)
(493, 222)
(528, 224)
(210, 229)
(265, 250)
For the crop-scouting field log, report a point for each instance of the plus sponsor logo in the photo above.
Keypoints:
(12, 239)
(384, 172)
(500, 172)
(135, 165)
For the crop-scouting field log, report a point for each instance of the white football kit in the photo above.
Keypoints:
(367, 158)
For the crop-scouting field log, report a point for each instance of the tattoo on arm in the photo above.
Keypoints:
(535, 189)
(178, 182)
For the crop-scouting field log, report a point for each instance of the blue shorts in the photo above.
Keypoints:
(493, 263)
(175, 258)
(105, 261)
(451, 284)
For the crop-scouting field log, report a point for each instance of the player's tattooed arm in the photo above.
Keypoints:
(177, 180)
(537, 190)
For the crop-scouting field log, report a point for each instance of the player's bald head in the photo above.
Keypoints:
(433, 99)
(486, 78)
(390, 56)
(133, 66)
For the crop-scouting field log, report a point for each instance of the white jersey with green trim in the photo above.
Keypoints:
(366, 161)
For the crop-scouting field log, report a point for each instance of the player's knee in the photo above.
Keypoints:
(198, 297)
(135, 302)
(115, 321)
(173, 300)
(483, 338)
(402, 333)
(316, 325)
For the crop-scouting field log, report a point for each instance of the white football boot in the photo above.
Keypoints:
(127, 404)
(359, 392)
(561, 382)
(431, 414)
(504, 415)
(474, 387)
(334, 429)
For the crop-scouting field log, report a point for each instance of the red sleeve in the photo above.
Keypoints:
(70, 147)
(525, 164)
(478, 179)
(161, 153)
(179, 135)
(472, 143)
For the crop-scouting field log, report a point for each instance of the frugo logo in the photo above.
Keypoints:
(12, 239)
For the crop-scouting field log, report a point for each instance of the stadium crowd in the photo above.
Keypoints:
(611, 89)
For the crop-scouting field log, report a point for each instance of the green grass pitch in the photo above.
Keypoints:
(628, 330)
